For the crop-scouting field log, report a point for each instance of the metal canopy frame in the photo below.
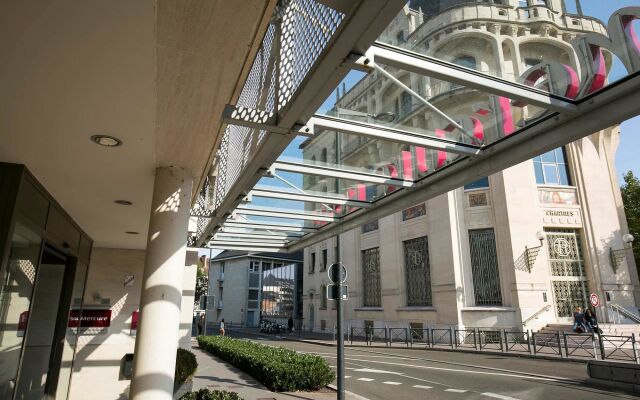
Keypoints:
(265, 212)
(352, 47)
(308, 198)
(418, 63)
(271, 227)
(334, 172)
(318, 123)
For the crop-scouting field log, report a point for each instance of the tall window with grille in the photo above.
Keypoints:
(417, 271)
(484, 267)
(371, 278)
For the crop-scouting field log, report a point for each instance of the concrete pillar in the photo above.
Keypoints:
(157, 338)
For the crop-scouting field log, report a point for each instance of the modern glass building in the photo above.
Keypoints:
(248, 287)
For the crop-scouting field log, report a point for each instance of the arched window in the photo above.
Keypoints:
(465, 61)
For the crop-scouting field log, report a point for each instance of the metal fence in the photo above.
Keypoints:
(465, 338)
(555, 344)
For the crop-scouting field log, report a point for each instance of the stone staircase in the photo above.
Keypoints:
(607, 329)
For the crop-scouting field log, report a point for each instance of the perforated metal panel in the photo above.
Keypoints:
(295, 38)
(417, 271)
(371, 278)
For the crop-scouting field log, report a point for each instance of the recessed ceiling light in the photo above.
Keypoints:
(106, 140)
(123, 202)
(132, 233)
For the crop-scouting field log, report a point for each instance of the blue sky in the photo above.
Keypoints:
(627, 157)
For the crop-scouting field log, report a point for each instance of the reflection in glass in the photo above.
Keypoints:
(18, 279)
(567, 48)
(278, 289)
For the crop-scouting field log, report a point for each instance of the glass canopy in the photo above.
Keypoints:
(450, 91)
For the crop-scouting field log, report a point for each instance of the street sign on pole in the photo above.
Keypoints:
(332, 292)
(594, 299)
(337, 273)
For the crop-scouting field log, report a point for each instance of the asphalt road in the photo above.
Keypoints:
(397, 374)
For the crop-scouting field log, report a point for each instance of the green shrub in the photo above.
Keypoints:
(206, 394)
(277, 368)
(186, 365)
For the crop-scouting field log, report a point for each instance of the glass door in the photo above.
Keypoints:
(44, 338)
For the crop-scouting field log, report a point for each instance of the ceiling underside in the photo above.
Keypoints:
(549, 104)
(154, 73)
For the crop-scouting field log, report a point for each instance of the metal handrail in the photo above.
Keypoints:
(536, 314)
(621, 310)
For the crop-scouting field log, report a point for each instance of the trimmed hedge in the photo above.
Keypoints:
(206, 394)
(186, 365)
(277, 368)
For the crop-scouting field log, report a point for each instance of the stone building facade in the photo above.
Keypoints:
(518, 249)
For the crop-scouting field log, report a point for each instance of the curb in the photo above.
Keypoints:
(348, 393)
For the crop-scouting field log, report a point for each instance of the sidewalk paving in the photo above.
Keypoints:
(215, 374)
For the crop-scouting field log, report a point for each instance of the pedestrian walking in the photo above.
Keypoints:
(221, 330)
(201, 326)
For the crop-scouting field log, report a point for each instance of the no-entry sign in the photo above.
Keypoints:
(594, 300)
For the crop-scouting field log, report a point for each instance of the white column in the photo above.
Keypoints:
(157, 338)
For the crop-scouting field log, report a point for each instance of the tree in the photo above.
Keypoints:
(630, 191)
(202, 280)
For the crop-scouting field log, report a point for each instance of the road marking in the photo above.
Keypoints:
(455, 390)
(498, 396)
(533, 377)
(422, 387)
(347, 376)
(377, 371)
(365, 379)
(392, 383)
